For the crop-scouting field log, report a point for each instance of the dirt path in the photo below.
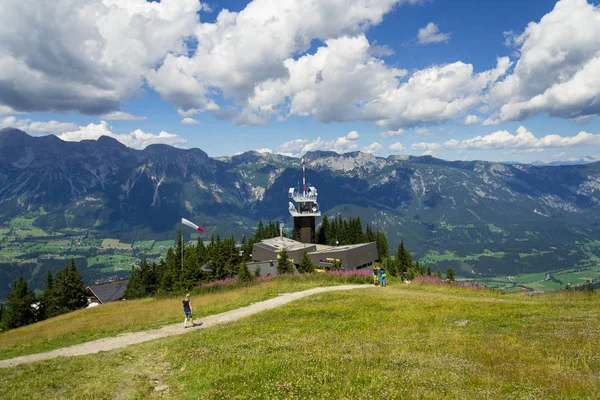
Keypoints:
(127, 339)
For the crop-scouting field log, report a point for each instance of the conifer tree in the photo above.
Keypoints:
(450, 274)
(369, 235)
(257, 271)
(382, 246)
(322, 231)
(438, 273)
(244, 274)
(306, 265)
(48, 298)
(284, 265)
(428, 270)
(19, 305)
(75, 289)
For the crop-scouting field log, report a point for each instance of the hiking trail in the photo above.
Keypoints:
(128, 339)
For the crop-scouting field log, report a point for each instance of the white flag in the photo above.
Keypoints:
(191, 224)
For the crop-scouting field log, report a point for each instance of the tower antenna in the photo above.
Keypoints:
(303, 176)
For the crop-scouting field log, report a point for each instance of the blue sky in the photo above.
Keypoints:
(390, 77)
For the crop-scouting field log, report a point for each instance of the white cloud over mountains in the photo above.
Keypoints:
(298, 147)
(90, 56)
(523, 140)
(34, 127)
(137, 139)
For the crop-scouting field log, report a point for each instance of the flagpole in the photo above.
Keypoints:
(181, 245)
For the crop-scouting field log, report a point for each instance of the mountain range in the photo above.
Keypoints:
(484, 218)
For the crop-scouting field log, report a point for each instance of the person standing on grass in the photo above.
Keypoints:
(375, 276)
(187, 311)
(382, 277)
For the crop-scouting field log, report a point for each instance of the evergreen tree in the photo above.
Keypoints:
(410, 275)
(257, 271)
(450, 274)
(322, 231)
(284, 265)
(428, 270)
(74, 289)
(19, 305)
(382, 246)
(142, 281)
(369, 235)
(306, 266)
(403, 257)
(390, 267)
(438, 273)
(260, 232)
(244, 274)
(1, 315)
(48, 298)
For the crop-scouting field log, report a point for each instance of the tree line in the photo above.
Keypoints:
(63, 292)
(220, 259)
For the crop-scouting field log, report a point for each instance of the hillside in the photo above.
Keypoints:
(409, 341)
(485, 219)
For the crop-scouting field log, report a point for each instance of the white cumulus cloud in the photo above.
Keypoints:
(523, 139)
(88, 55)
(397, 147)
(189, 121)
(398, 132)
(431, 34)
(471, 120)
(299, 147)
(557, 70)
(121, 116)
(33, 127)
(137, 139)
(372, 148)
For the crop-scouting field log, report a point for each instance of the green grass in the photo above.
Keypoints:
(494, 229)
(574, 277)
(135, 315)
(526, 278)
(397, 342)
(115, 244)
(165, 243)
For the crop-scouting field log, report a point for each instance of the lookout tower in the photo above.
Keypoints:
(304, 211)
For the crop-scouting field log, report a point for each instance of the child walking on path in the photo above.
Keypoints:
(187, 311)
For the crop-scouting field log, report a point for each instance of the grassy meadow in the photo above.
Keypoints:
(112, 319)
(403, 341)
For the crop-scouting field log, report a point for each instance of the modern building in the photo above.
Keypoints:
(304, 211)
(352, 257)
(269, 249)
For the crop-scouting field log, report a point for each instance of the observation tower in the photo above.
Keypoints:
(305, 210)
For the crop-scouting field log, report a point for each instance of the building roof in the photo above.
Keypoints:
(106, 292)
(278, 243)
(338, 249)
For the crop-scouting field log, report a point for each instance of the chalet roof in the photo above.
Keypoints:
(106, 292)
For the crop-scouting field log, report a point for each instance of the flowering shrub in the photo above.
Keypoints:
(357, 277)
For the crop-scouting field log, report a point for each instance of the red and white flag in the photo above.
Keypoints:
(191, 224)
